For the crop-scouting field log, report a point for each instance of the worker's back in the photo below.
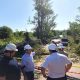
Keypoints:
(56, 65)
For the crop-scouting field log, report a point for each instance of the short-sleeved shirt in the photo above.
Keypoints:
(55, 63)
(32, 54)
(9, 68)
(64, 52)
(27, 61)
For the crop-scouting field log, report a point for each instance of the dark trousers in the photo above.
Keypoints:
(62, 78)
(30, 75)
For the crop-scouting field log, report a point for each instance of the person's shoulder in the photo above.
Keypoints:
(2, 59)
(24, 56)
(62, 55)
(48, 57)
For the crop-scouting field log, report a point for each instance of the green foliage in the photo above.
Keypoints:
(74, 31)
(20, 52)
(78, 16)
(68, 32)
(74, 36)
(7, 36)
(5, 32)
(19, 33)
(77, 50)
(31, 35)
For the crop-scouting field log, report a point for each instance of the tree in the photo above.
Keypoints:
(75, 31)
(43, 19)
(5, 32)
(27, 37)
(78, 16)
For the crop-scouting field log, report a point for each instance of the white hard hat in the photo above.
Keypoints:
(52, 47)
(60, 45)
(11, 47)
(27, 47)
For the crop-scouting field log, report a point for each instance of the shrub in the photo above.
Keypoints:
(5, 32)
(77, 50)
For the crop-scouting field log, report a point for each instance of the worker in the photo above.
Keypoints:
(57, 65)
(61, 49)
(27, 63)
(8, 64)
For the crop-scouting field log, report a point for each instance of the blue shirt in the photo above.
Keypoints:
(27, 61)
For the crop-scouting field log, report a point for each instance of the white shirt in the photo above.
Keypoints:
(27, 61)
(32, 54)
(55, 63)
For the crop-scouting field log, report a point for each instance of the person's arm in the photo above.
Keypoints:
(22, 67)
(43, 71)
(68, 64)
(34, 54)
(44, 66)
(23, 64)
(68, 67)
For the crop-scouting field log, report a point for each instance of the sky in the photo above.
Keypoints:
(15, 13)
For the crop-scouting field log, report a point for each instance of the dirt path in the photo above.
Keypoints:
(74, 72)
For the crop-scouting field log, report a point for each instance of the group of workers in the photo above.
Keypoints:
(56, 64)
